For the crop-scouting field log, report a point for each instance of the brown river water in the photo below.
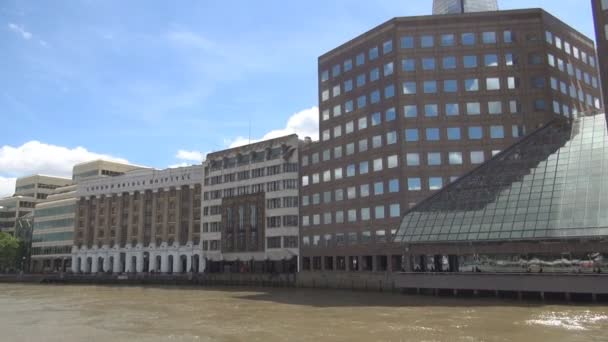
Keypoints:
(96, 313)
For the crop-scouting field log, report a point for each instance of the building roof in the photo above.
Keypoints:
(553, 184)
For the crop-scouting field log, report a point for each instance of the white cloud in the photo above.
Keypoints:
(7, 186)
(304, 123)
(190, 155)
(35, 157)
(20, 30)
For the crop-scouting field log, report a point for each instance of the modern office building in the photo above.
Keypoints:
(540, 203)
(144, 220)
(28, 191)
(415, 103)
(53, 234)
(250, 207)
(463, 6)
(600, 17)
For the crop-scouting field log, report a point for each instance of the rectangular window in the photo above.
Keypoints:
(363, 145)
(497, 132)
(395, 210)
(427, 41)
(335, 71)
(448, 39)
(360, 80)
(374, 75)
(389, 91)
(364, 190)
(477, 157)
(361, 102)
(393, 185)
(390, 115)
(389, 68)
(391, 138)
(435, 183)
(455, 158)
(387, 47)
(373, 53)
(471, 84)
(453, 133)
(407, 42)
(378, 188)
(409, 88)
(348, 86)
(363, 167)
(470, 62)
(434, 158)
(432, 134)
(430, 87)
(449, 62)
(428, 63)
(412, 159)
(379, 212)
(348, 106)
(411, 134)
(376, 141)
(374, 97)
(408, 64)
(410, 111)
(493, 83)
(467, 39)
(489, 37)
(507, 37)
(362, 123)
(376, 119)
(450, 86)
(473, 108)
(378, 165)
(392, 161)
(430, 110)
(475, 133)
(414, 184)
(490, 60)
(452, 109)
(495, 107)
(365, 214)
(348, 65)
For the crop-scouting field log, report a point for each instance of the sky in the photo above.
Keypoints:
(162, 83)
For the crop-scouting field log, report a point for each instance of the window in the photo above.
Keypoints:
(387, 47)
(374, 97)
(430, 110)
(363, 145)
(351, 192)
(432, 134)
(348, 86)
(490, 60)
(467, 38)
(348, 106)
(335, 71)
(455, 158)
(378, 188)
(377, 164)
(407, 42)
(325, 114)
(473, 108)
(339, 195)
(376, 119)
(427, 41)
(409, 88)
(452, 109)
(408, 64)
(348, 65)
(453, 133)
(539, 105)
(517, 131)
(352, 216)
(477, 157)
(362, 123)
(336, 91)
(449, 62)
(338, 173)
(430, 87)
(391, 138)
(471, 84)
(411, 134)
(549, 37)
(365, 214)
(493, 83)
(497, 132)
(512, 83)
(324, 75)
(393, 185)
(513, 107)
(448, 40)
(509, 60)
(450, 86)
(392, 161)
(364, 190)
(475, 133)
(389, 91)
(337, 152)
(390, 114)
(489, 37)
(337, 131)
(495, 107)
(435, 183)
(470, 62)
(326, 135)
(373, 53)
(507, 37)
(379, 212)
(325, 95)
(412, 159)
(410, 111)
(360, 80)
(374, 74)
(349, 127)
(363, 167)
(337, 110)
(394, 210)
(361, 101)
(350, 170)
(376, 141)
(414, 184)
(428, 63)
(434, 158)
(389, 68)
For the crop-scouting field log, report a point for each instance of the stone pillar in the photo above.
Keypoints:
(152, 262)
(202, 264)
(188, 262)
(108, 221)
(87, 268)
(130, 222)
(164, 262)
(119, 213)
(191, 215)
(140, 262)
(106, 263)
(178, 215)
(165, 226)
(87, 220)
(96, 221)
(128, 257)
(140, 222)
(176, 263)
(117, 265)
(95, 264)
(155, 194)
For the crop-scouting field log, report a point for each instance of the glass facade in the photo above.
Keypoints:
(551, 185)
(463, 6)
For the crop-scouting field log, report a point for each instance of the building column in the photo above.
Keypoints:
(155, 194)
(191, 215)
(152, 262)
(87, 220)
(75, 267)
(140, 222)
(165, 226)
(188, 262)
(178, 215)
(130, 221)
(95, 264)
(108, 221)
(116, 267)
(140, 262)
(119, 213)
(106, 263)
(164, 262)
(96, 220)
(176, 263)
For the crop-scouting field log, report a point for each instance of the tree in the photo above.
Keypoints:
(9, 247)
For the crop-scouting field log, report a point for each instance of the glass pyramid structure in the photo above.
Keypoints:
(552, 185)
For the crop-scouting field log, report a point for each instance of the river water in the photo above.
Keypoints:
(95, 313)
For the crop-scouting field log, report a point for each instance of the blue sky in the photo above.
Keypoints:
(143, 80)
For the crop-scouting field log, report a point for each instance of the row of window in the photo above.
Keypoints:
(343, 239)
(254, 173)
(575, 93)
(379, 212)
(285, 184)
(570, 49)
(364, 168)
(571, 70)
(422, 41)
(365, 190)
(288, 242)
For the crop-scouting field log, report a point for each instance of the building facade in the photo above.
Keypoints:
(600, 17)
(463, 6)
(417, 102)
(142, 221)
(250, 207)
